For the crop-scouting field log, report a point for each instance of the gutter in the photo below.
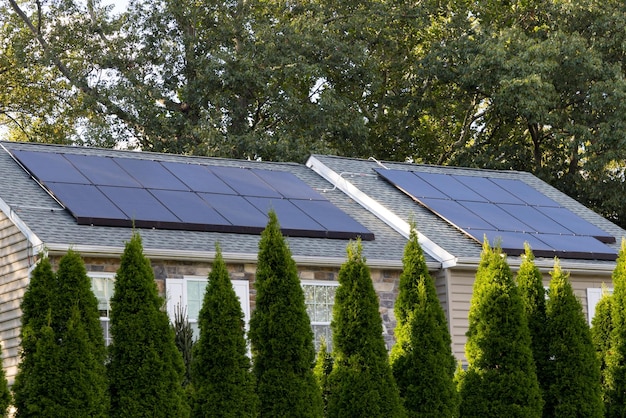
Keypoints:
(229, 257)
(446, 259)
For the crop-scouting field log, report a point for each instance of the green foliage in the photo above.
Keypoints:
(422, 360)
(530, 284)
(63, 353)
(280, 333)
(36, 310)
(223, 383)
(501, 379)
(615, 395)
(5, 393)
(601, 334)
(183, 337)
(323, 366)
(145, 368)
(573, 378)
(361, 382)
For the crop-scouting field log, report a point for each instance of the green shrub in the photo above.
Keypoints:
(222, 380)
(601, 334)
(573, 378)
(361, 382)
(421, 359)
(280, 333)
(145, 368)
(500, 380)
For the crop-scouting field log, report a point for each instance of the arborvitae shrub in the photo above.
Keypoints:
(222, 380)
(30, 386)
(500, 380)
(601, 334)
(63, 354)
(573, 378)
(145, 367)
(530, 284)
(361, 382)
(82, 386)
(280, 333)
(615, 396)
(5, 393)
(323, 367)
(422, 360)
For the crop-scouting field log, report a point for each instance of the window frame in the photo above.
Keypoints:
(320, 283)
(105, 321)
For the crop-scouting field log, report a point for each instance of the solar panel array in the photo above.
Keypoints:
(117, 191)
(505, 210)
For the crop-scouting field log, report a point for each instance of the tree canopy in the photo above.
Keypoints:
(534, 85)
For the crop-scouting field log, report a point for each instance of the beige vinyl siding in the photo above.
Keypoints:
(14, 272)
(461, 283)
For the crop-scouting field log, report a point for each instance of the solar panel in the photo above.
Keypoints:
(121, 191)
(288, 185)
(88, 204)
(150, 174)
(102, 171)
(245, 182)
(452, 188)
(507, 210)
(198, 178)
(191, 209)
(140, 206)
(50, 167)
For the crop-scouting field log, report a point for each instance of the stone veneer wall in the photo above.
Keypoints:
(385, 280)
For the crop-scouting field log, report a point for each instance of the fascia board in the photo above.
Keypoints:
(394, 221)
(229, 257)
(546, 265)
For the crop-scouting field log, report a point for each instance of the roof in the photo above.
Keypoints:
(25, 201)
(361, 175)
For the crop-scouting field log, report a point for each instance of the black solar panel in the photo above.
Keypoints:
(153, 194)
(508, 211)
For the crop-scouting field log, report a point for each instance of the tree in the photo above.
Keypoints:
(30, 387)
(361, 382)
(323, 366)
(145, 368)
(573, 378)
(81, 385)
(223, 382)
(601, 333)
(63, 353)
(530, 284)
(615, 395)
(421, 359)
(280, 333)
(500, 379)
(5, 393)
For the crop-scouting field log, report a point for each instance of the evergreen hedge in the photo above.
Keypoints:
(280, 333)
(615, 395)
(601, 334)
(62, 371)
(573, 378)
(533, 294)
(30, 386)
(500, 380)
(5, 394)
(361, 382)
(421, 359)
(145, 368)
(222, 380)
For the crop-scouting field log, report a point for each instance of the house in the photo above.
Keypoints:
(54, 198)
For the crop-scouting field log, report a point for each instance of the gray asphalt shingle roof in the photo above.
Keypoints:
(55, 225)
(362, 175)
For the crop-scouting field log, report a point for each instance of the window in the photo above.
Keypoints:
(102, 285)
(319, 298)
(594, 294)
(188, 293)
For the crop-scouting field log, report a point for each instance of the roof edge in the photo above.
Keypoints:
(108, 251)
(547, 265)
(36, 243)
(394, 221)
